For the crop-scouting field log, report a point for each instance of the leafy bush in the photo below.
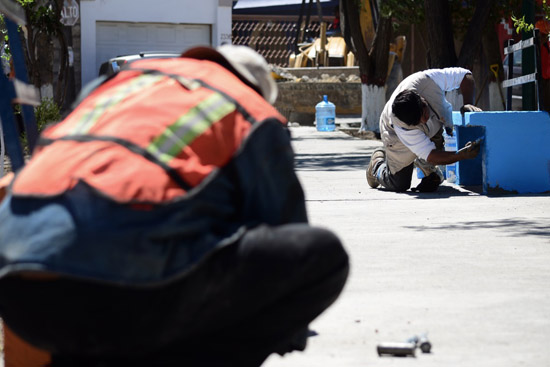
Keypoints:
(47, 112)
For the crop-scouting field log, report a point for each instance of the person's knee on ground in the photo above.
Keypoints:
(402, 186)
(295, 250)
(306, 268)
(423, 165)
(397, 182)
(429, 183)
(398, 185)
(377, 159)
(278, 279)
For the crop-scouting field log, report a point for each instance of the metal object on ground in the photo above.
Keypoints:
(396, 349)
(421, 342)
(424, 344)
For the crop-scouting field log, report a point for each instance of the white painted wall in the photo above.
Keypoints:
(222, 27)
(216, 13)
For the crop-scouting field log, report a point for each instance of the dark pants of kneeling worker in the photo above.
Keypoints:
(244, 302)
(402, 179)
(399, 181)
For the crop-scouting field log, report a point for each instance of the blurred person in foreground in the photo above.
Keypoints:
(161, 223)
(411, 128)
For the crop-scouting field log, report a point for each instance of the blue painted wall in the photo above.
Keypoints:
(515, 154)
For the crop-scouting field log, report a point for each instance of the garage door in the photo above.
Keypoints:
(118, 38)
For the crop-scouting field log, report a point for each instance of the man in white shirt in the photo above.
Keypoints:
(411, 128)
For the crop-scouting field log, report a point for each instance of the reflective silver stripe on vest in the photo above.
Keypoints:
(104, 103)
(189, 126)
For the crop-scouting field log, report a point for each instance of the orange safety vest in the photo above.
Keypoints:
(150, 134)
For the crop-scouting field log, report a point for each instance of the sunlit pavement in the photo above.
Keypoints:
(470, 270)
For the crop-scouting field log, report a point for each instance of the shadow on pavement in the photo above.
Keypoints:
(331, 161)
(328, 137)
(515, 227)
(447, 191)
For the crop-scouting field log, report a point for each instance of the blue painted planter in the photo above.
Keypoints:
(515, 154)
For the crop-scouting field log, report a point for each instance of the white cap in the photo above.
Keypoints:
(247, 63)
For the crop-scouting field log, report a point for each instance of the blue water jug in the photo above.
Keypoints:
(451, 170)
(325, 115)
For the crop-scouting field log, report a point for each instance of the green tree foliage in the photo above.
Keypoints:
(43, 30)
(521, 25)
(4, 39)
(43, 16)
(46, 113)
(463, 11)
(412, 12)
(460, 20)
(404, 11)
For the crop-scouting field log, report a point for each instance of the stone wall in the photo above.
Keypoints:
(306, 87)
(316, 72)
(302, 97)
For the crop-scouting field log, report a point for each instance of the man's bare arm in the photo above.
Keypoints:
(467, 88)
(469, 151)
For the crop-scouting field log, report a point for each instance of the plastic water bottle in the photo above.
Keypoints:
(451, 170)
(325, 114)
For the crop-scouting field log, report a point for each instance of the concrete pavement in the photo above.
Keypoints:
(473, 271)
